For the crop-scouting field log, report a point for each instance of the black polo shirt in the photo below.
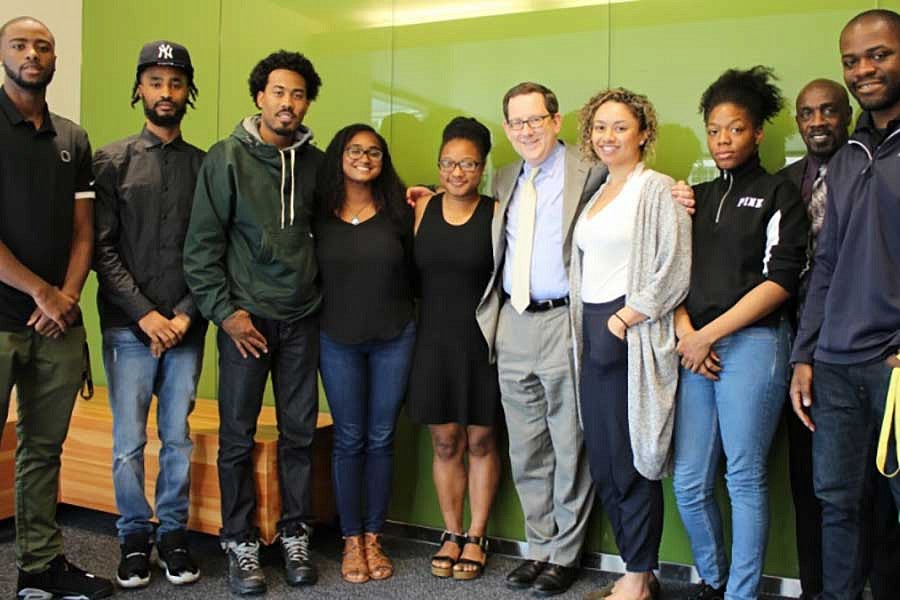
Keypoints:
(42, 172)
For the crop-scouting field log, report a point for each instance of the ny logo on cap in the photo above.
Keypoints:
(165, 51)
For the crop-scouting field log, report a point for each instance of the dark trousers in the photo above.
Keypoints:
(883, 553)
(633, 503)
(848, 410)
(292, 360)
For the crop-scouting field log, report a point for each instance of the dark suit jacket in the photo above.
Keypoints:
(794, 173)
(581, 181)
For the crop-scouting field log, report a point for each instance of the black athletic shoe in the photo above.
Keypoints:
(245, 575)
(704, 591)
(298, 567)
(175, 559)
(134, 566)
(62, 580)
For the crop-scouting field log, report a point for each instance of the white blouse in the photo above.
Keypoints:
(605, 240)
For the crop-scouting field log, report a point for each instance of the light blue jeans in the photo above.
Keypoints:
(738, 414)
(134, 376)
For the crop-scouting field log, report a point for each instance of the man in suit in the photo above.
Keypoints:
(823, 118)
(525, 319)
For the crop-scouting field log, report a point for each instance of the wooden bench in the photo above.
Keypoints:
(86, 476)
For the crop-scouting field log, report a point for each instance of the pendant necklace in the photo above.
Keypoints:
(355, 219)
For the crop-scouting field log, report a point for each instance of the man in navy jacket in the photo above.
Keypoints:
(850, 328)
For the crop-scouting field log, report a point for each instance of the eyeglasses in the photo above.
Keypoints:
(356, 152)
(533, 122)
(468, 165)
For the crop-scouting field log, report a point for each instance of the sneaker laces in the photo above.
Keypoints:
(247, 555)
(296, 547)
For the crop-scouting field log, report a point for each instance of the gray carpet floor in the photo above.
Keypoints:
(91, 543)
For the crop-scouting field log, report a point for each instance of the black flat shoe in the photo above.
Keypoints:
(524, 575)
(555, 579)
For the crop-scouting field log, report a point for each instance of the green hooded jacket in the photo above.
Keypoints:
(249, 243)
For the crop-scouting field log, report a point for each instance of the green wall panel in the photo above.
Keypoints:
(407, 68)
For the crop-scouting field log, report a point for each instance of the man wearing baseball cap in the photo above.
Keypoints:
(152, 333)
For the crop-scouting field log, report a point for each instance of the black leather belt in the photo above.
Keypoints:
(543, 305)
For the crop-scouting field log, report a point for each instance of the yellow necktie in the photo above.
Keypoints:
(521, 275)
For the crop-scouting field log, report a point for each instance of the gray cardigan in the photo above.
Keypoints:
(658, 279)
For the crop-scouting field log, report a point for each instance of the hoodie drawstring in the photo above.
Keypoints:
(292, 185)
(281, 188)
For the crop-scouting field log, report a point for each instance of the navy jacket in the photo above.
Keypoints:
(852, 313)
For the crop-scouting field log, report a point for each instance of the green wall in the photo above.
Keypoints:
(395, 65)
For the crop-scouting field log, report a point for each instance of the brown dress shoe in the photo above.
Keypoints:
(354, 568)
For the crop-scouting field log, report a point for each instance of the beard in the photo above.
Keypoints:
(38, 85)
(889, 98)
(170, 120)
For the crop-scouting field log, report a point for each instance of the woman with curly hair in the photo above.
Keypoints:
(364, 237)
(750, 233)
(631, 262)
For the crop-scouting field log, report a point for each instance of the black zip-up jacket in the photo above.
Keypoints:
(145, 190)
(750, 227)
(852, 311)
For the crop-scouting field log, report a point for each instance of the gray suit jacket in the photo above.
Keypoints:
(582, 179)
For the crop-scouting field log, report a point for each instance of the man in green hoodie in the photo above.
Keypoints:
(249, 260)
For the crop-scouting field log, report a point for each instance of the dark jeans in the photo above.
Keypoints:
(883, 553)
(633, 503)
(292, 359)
(848, 410)
(365, 384)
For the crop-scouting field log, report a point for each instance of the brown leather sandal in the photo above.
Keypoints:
(446, 570)
(459, 569)
(354, 568)
(380, 566)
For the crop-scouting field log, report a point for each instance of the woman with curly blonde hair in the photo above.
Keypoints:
(630, 269)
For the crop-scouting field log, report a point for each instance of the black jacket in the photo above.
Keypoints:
(852, 312)
(750, 227)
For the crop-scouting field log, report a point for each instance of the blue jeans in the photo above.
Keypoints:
(848, 407)
(134, 376)
(365, 385)
(738, 414)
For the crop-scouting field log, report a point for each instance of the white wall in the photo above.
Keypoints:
(63, 17)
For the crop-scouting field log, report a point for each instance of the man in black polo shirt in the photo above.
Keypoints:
(152, 333)
(46, 199)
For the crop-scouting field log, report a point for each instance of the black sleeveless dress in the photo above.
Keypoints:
(452, 380)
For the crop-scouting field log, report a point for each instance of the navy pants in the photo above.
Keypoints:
(633, 503)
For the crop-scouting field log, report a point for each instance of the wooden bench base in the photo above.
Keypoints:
(8, 466)
(86, 476)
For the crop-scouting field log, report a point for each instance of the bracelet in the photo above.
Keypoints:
(616, 315)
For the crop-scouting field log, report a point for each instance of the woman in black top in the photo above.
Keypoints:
(453, 387)
(364, 249)
(749, 241)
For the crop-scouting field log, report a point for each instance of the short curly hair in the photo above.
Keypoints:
(639, 105)
(751, 89)
(292, 61)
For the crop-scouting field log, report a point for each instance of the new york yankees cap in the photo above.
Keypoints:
(165, 54)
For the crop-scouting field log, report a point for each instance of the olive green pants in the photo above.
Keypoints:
(47, 376)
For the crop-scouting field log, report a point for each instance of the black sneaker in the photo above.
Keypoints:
(704, 591)
(245, 576)
(62, 580)
(298, 567)
(134, 566)
(175, 558)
